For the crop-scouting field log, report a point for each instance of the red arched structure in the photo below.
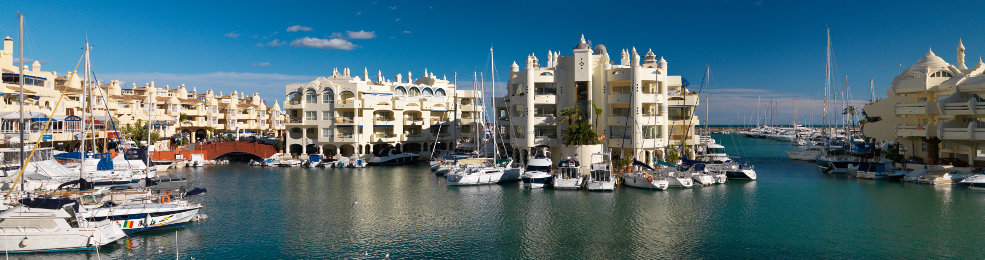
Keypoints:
(214, 150)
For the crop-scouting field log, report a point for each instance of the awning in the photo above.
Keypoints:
(16, 115)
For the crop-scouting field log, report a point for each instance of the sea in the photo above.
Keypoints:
(792, 211)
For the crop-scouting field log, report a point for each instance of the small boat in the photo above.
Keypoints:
(975, 182)
(874, 170)
(356, 163)
(313, 161)
(288, 163)
(391, 156)
(198, 160)
(701, 177)
(537, 174)
(743, 170)
(568, 175)
(32, 230)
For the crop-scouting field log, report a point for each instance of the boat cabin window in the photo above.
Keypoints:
(538, 168)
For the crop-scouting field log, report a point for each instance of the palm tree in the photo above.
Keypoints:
(598, 113)
(581, 133)
(571, 114)
(850, 110)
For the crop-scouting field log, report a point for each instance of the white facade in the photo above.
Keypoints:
(352, 116)
(934, 110)
(643, 109)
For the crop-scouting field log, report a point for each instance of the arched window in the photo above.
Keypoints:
(311, 97)
(428, 92)
(439, 92)
(940, 74)
(400, 90)
(328, 97)
(414, 91)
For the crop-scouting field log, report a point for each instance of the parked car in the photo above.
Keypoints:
(953, 161)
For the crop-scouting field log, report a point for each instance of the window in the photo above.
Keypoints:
(620, 111)
(620, 131)
(327, 115)
(310, 115)
(940, 74)
(311, 98)
(326, 132)
(327, 97)
(651, 132)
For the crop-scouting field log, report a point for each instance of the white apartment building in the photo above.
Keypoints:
(644, 109)
(934, 110)
(173, 112)
(351, 116)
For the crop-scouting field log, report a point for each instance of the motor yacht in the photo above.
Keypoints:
(568, 175)
(391, 156)
(538, 172)
(600, 176)
(674, 177)
(975, 182)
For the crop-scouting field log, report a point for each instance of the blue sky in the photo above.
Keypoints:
(769, 49)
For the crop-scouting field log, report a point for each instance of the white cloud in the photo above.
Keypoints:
(297, 28)
(361, 34)
(407, 31)
(276, 42)
(335, 43)
(397, 19)
(393, 7)
(269, 85)
(28, 61)
(232, 35)
(359, 12)
(259, 44)
(336, 35)
(262, 64)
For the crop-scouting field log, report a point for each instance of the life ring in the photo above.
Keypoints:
(167, 192)
(165, 199)
(649, 178)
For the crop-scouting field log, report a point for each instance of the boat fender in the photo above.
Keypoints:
(165, 199)
(24, 242)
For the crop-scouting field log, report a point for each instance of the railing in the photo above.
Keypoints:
(343, 120)
(292, 120)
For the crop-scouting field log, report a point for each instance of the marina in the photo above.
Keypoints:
(792, 210)
(659, 149)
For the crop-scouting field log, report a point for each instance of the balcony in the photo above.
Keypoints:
(911, 130)
(384, 137)
(344, 120)
(295, 120)
(414, 121)
(921, 108)
(383, 121)
(348, 104)
(973, 131)
(544, 140)
(971, 107)
(345, 138)
(413, 137)
(620, 98)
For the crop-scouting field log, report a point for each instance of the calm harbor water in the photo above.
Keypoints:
(792, 211)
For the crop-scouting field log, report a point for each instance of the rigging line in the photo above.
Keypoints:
(61, 96)
(109, 116)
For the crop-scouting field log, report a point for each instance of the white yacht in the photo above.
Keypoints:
(600, 176)
(356, 162)
(391, 156)
(645, 181)
(805, 153)
(975, 182)
(674, 177)
(30, 230)
(568, 175)
(741, 170)
(476, 171)
(288, 163)
(702, 178)
(538, 172)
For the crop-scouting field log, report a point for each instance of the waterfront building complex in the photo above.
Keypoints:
(175, 113)
(638, 109)
(934, 110)
(345, 115)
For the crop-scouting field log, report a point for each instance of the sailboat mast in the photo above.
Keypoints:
(827, 85)
(707, 86)
(493, 98)
(150, 107)
(20, 45)
(85, 83)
